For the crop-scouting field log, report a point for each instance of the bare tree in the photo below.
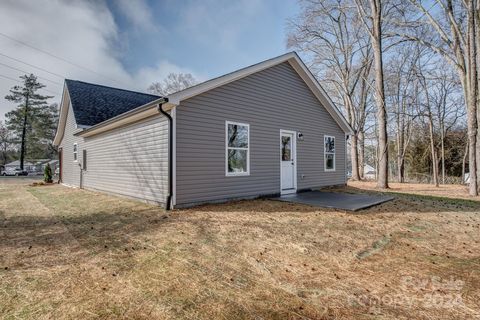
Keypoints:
(330, 33)
(371, 14)
(451, 29)
(401, 93)
(363, 111)
(172, 83)
(448, 107)
(5, 142)
(431, 131)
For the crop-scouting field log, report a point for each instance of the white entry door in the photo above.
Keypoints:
(288, 162)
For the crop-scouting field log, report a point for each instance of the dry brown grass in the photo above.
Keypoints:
(453, 191)
(67, 253)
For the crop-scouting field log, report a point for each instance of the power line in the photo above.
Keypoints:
(55, 56)
(23, 71)
(31, 65)
(16, 80)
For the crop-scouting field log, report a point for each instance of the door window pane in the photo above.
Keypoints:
(286, 148)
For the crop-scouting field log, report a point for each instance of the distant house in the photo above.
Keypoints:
(27, 165)
(40, 164)
(32, 166)
(369, 172)
(266, 129)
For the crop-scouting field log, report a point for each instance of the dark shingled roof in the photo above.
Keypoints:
(93, 103)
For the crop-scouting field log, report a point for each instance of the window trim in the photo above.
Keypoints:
(236, 174)
(325, 154)
(75, 152)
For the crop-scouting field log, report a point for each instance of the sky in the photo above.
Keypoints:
(132, 43)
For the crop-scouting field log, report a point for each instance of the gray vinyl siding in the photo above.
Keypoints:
(270, 100)
(70, 168)
(130, 161)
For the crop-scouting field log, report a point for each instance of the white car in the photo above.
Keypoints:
(14, 172)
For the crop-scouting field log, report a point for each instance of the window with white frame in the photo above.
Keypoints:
(329, 153)
(75, 152)
(237, 149)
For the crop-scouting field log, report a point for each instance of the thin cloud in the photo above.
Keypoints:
(83, 32)
(137, 13)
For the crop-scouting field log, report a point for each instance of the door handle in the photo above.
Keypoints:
(292, 163)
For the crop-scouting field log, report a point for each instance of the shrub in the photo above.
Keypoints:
(47, 174)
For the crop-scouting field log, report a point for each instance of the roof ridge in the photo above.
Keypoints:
(104, 86)
(237, 70)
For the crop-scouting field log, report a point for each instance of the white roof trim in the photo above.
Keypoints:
(175, 98)
(294, 60)
(123, 119)
(62, 118)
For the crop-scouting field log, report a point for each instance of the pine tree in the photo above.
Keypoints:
(47, 174)
(30, 114)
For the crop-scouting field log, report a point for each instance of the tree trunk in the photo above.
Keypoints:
(476, 28)
(400, 148)
(361, 154)
(4, 156)
(354, 156)
(431, 133)
(24, 132)
(382, 179)
(472, 141)
(464, 162)
(432, 149)
(442, 147)
(472, 100)
(401, 169)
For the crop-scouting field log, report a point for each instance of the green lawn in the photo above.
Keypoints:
(68, 254)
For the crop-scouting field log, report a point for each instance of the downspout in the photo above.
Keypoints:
(168, 205)
(347, 136)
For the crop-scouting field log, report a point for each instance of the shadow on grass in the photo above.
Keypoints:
(95, 229)
(86, 224)
(34, 240)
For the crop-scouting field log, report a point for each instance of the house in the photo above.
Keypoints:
(266, 129)
(369, 172)
(27, 166)
(39, 165)
(32, 166)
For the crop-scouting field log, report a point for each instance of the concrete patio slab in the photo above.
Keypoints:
(335, 200)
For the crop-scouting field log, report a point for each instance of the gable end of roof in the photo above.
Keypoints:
(297, 64)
